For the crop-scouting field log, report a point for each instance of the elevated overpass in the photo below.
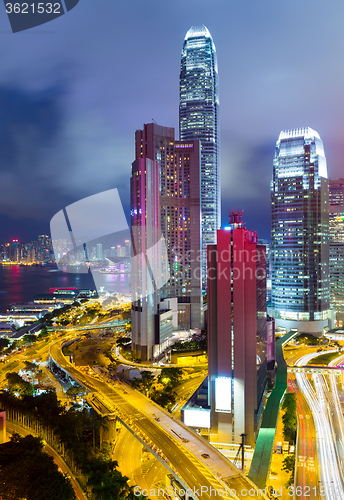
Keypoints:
(216, 474)
(261, 460)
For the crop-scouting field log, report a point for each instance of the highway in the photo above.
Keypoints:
(143, 470)
(306, 469)
(319, 461)
(185, 459)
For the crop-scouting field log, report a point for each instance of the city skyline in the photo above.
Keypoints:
(69, 109)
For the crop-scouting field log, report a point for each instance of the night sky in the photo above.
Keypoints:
(73, 92)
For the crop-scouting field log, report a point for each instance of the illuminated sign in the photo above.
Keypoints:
(223, 394)
(197, 418)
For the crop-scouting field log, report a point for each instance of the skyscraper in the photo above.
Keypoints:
(147, 336)
(299, 247)
(337, 248)
(237, 330)
(199, 119)
(179, 212)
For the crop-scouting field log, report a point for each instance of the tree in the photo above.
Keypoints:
(26, 471)
(288, 465)
(30, 366)
(289, 417)
(16, 385)
(146, 381)
(43, 333)
(106, 481)
(30, 338)
(75, 390)
(165, 398)
(3, 344)
(170, 376)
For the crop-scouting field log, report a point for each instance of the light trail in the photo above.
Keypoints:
(331, 479)
(335, 405)
(304, 360)
(337, 362)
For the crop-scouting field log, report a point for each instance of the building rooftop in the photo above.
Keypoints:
(306, 132)
(196, 31)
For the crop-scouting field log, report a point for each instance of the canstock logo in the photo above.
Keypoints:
(26, 15)
(76, 229)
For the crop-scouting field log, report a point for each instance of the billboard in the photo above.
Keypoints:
(197, 418)
(223, 394)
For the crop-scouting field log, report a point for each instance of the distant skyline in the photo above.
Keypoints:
(73, 92)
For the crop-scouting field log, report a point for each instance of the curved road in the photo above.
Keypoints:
(183, 460)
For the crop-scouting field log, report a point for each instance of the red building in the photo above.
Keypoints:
(236, 332)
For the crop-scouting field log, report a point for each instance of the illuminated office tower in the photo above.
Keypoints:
(300, 295)
(237, 331)
(180, 223)
(144, 225)
(99, 251)
(336, 216)
(199, 119)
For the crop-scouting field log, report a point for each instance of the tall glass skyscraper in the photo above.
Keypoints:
(337, 248)
(199, 119)
(300, 232)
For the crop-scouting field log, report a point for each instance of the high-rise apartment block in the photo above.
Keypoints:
(300, 221)
(336, 216)
(175, 202)
(199, 119)
(237, 329)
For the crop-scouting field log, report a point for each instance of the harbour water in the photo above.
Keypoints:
(22, 283)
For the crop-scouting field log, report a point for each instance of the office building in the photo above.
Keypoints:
(179, 213)
(237, 330)
(336, 224)
(145, 221)
(99, 251)
(199, 119)
(300, 296)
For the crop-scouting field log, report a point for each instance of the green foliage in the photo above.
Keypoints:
(11, 347)
(289, 402)
(33, 367)
(78, 431)
(324, 359)
(165, 398)
(43, 333)
(30, 338)
(170, 376)
(26, 471)
(288, 465)
(16, 385)
(106, 481)
(289, 417)
(145, 382)
(307, 339)
(3, 344)
(75, 390)
(192, 345)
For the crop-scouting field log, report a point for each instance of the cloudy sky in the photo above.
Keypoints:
(73, 92)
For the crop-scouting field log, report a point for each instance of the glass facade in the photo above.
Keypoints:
(179, 205)
(199, 119)
(300, 228)
(337, 244)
